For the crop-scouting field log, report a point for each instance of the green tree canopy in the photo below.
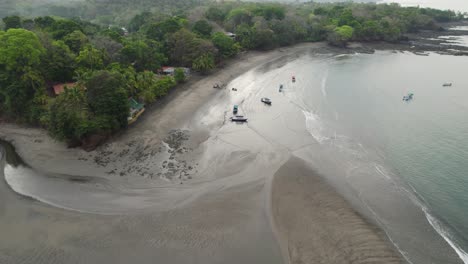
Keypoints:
(58, 63)
(245, 35)
(90, 59)
(12, 22)
(44, 22)
(20, 80)
(204, 63)
(226, 45)
(143, 55)
(179, 75)
(202, 28)
(61, 28)
(215, 14)
(157, 31)
(341, 35)
(69, 116)
(107, 99)
(185, 47)
(139, 20)
(20, 50)
(239, 16)
(76, 40)
(270, 11)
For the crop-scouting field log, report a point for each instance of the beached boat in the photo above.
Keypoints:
(408, 97)
(238, 118)
(266, 101)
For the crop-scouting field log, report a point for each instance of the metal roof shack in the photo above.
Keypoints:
(167, 70)
(230, 34)
(136, 109)
(60, 87)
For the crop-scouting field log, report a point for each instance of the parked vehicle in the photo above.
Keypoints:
(235, 109)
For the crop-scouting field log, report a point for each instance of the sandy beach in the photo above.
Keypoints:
(316, 225)
(183, 185)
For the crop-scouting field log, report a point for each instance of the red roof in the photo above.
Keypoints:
(59, 88)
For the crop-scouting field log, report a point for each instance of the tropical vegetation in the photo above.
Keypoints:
(113, 56)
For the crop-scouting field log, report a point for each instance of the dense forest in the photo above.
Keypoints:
(116, 57)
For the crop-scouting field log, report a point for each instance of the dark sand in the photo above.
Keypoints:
(317, 225)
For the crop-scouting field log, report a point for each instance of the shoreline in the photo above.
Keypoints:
(145, 138)
(418, 43)
(152, 128)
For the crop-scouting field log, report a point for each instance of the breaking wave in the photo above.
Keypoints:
(323, 85)
(314, 126)
(439, 228)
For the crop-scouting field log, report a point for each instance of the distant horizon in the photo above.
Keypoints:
(455, 5)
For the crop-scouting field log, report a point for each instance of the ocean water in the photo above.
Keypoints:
(407, 162)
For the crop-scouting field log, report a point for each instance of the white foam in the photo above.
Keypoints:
(382, 171)
(436, 225)
(314, 126)
(323, 85)
(439, 228)
(460, 28)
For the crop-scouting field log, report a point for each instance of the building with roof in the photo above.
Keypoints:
(136, 109)
(230, 34)
(60, 87)
(169, 70)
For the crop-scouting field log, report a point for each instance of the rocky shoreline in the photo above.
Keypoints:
(438, 41)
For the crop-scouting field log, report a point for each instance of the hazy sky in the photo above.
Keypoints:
(457, 5)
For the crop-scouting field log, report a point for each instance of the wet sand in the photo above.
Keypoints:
(184, 186)
(316, 225)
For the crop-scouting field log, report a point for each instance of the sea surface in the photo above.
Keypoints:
(406, 162)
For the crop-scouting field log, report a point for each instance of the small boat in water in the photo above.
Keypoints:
(266, 101)
(408, 97)
(447, 84)
(238, 118)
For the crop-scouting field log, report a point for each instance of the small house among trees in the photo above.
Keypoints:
(60, 87)
(231, 35)
(167, 70)
(136, 109)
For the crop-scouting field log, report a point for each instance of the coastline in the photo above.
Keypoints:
(177, 107)
(40, 151)
(338, 226)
